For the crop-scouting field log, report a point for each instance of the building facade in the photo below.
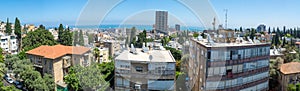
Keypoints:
(145, 71)
(289, 74)
(161, 21)
(177, 27)
(56, 60)
(228, 66)
(9, 44)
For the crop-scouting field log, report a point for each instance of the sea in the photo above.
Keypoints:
(139, 27)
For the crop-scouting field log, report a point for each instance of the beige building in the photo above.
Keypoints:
(145, 70)
(289, 74)
(56, 60)
(104, 55)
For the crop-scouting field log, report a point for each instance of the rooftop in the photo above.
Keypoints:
(206, 43)
(151, 56)
(290, 68)
(53, 52)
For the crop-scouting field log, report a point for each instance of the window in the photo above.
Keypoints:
(216, 70)
(119, 82)
(235, 69)
(228, 83)
(139, 69)
(210, 71)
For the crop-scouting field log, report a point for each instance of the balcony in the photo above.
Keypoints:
(66, 61)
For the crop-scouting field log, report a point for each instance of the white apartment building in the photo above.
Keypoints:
(9, 44)
(145, 70)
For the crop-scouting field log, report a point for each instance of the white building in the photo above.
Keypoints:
(144, 70)
(9, 44)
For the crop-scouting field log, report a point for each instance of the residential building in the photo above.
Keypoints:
(161, 21)
(235, 66)
(56, 60)
(54, 33)
(9, 44)
(144, 70)
(103, 55)
(289, 74)
(177, 27)
(261, 28)
(113, 46)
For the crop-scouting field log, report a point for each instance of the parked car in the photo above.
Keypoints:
(8, 79)
(18, 84)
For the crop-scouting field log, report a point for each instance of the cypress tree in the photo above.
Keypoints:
(8, 27)
(17, 28)
(81, 40)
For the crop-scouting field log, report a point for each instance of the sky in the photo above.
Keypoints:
(246, 13)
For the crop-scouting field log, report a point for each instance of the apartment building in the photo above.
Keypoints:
(103, 55)
(228, 66)
(9, 44)
(144, 70)
(56, 60)
(289, 74)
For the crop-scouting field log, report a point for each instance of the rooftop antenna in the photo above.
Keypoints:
(214, 23)
(226, 11)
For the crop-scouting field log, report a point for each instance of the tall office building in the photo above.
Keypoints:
(177, 27)
(237, 66)
(161, 21)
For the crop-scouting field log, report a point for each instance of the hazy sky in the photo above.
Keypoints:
(247, 13)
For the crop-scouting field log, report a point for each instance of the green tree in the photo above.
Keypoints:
(107, 69)
(176, 53)
(49, 81)
(252, 33)
(42, 27)
(96, 53)
(37, 38)
(81, 39)
(2, 69)
(1, 56)
(72, 79)
(8, 29)
(133, 35)
(196, 34)
(141, 39)
(18, 28)
(76, 38)
(86, 78)
(66, 38)
(91, 38)
(60, 32)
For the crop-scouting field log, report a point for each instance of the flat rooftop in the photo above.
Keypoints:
(151, 56)
(205, 43)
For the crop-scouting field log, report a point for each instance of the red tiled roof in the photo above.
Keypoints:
(290, 68)
(53, 52)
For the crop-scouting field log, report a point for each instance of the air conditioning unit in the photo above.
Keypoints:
(137, 86)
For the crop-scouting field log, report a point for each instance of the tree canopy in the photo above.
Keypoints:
(86, 78)
(37, 38)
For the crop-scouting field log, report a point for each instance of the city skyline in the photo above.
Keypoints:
(246, 13)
